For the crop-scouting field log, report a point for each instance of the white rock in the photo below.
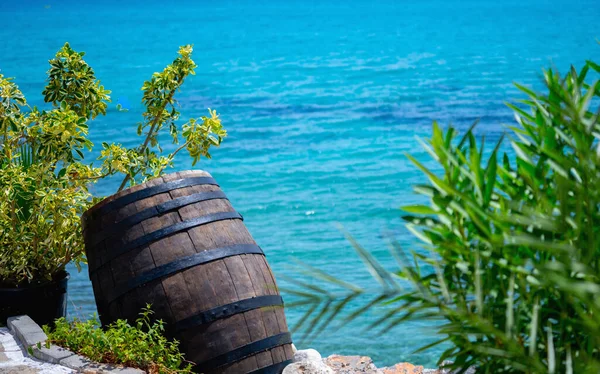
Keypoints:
(307, 355)
(470, 370)
(308, 367)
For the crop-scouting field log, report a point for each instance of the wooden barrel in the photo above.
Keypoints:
(177, 243)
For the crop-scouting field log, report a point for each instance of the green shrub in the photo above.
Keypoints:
(141, 346)
(44, 176)
(510, 257)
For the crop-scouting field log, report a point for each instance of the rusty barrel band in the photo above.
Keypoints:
(151, 191)
(244, 351)
(272, 369)
(164, 232)
(224, 311)
(180, 265)
(125, 224)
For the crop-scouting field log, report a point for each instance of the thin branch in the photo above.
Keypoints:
(153, 126)
(172, 155)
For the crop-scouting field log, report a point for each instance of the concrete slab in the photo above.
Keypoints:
(77, 362)
(28, 332)
(52, 355)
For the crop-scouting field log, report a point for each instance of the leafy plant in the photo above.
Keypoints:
(44, 178)
(510, 257)
(140, 346)
(161, 111)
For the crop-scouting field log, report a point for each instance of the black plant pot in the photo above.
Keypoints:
(43, 303)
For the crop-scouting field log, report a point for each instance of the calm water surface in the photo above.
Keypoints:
(321, 100)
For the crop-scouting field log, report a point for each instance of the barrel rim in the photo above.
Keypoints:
(137, 187)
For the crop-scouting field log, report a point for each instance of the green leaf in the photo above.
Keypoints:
(419, 209)
(467, 134)
(490, 178)
(593, 65)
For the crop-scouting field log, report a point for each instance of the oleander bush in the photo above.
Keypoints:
(509, 260)
(44, 176)
(141, 346)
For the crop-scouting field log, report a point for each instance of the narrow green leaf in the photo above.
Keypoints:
(419, 209)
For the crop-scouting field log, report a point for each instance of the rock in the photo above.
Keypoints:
(308, 367)
(307, 355)
(403, 368)
(294, 349)
(470, 370)
(307, 361)
(352, 364)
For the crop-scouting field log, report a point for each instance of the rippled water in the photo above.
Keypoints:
(321, 100)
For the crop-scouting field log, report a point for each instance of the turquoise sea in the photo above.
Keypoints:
(321, 100)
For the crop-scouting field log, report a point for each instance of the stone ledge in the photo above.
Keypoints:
(31, 336)
(54, 354)
(28, 332)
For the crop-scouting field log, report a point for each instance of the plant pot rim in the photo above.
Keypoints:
(61, 276)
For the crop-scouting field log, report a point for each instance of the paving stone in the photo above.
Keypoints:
(27, 331)
(53, 354)
(76, 362)
(18, 369)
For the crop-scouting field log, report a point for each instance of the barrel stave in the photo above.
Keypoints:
(265, 282)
